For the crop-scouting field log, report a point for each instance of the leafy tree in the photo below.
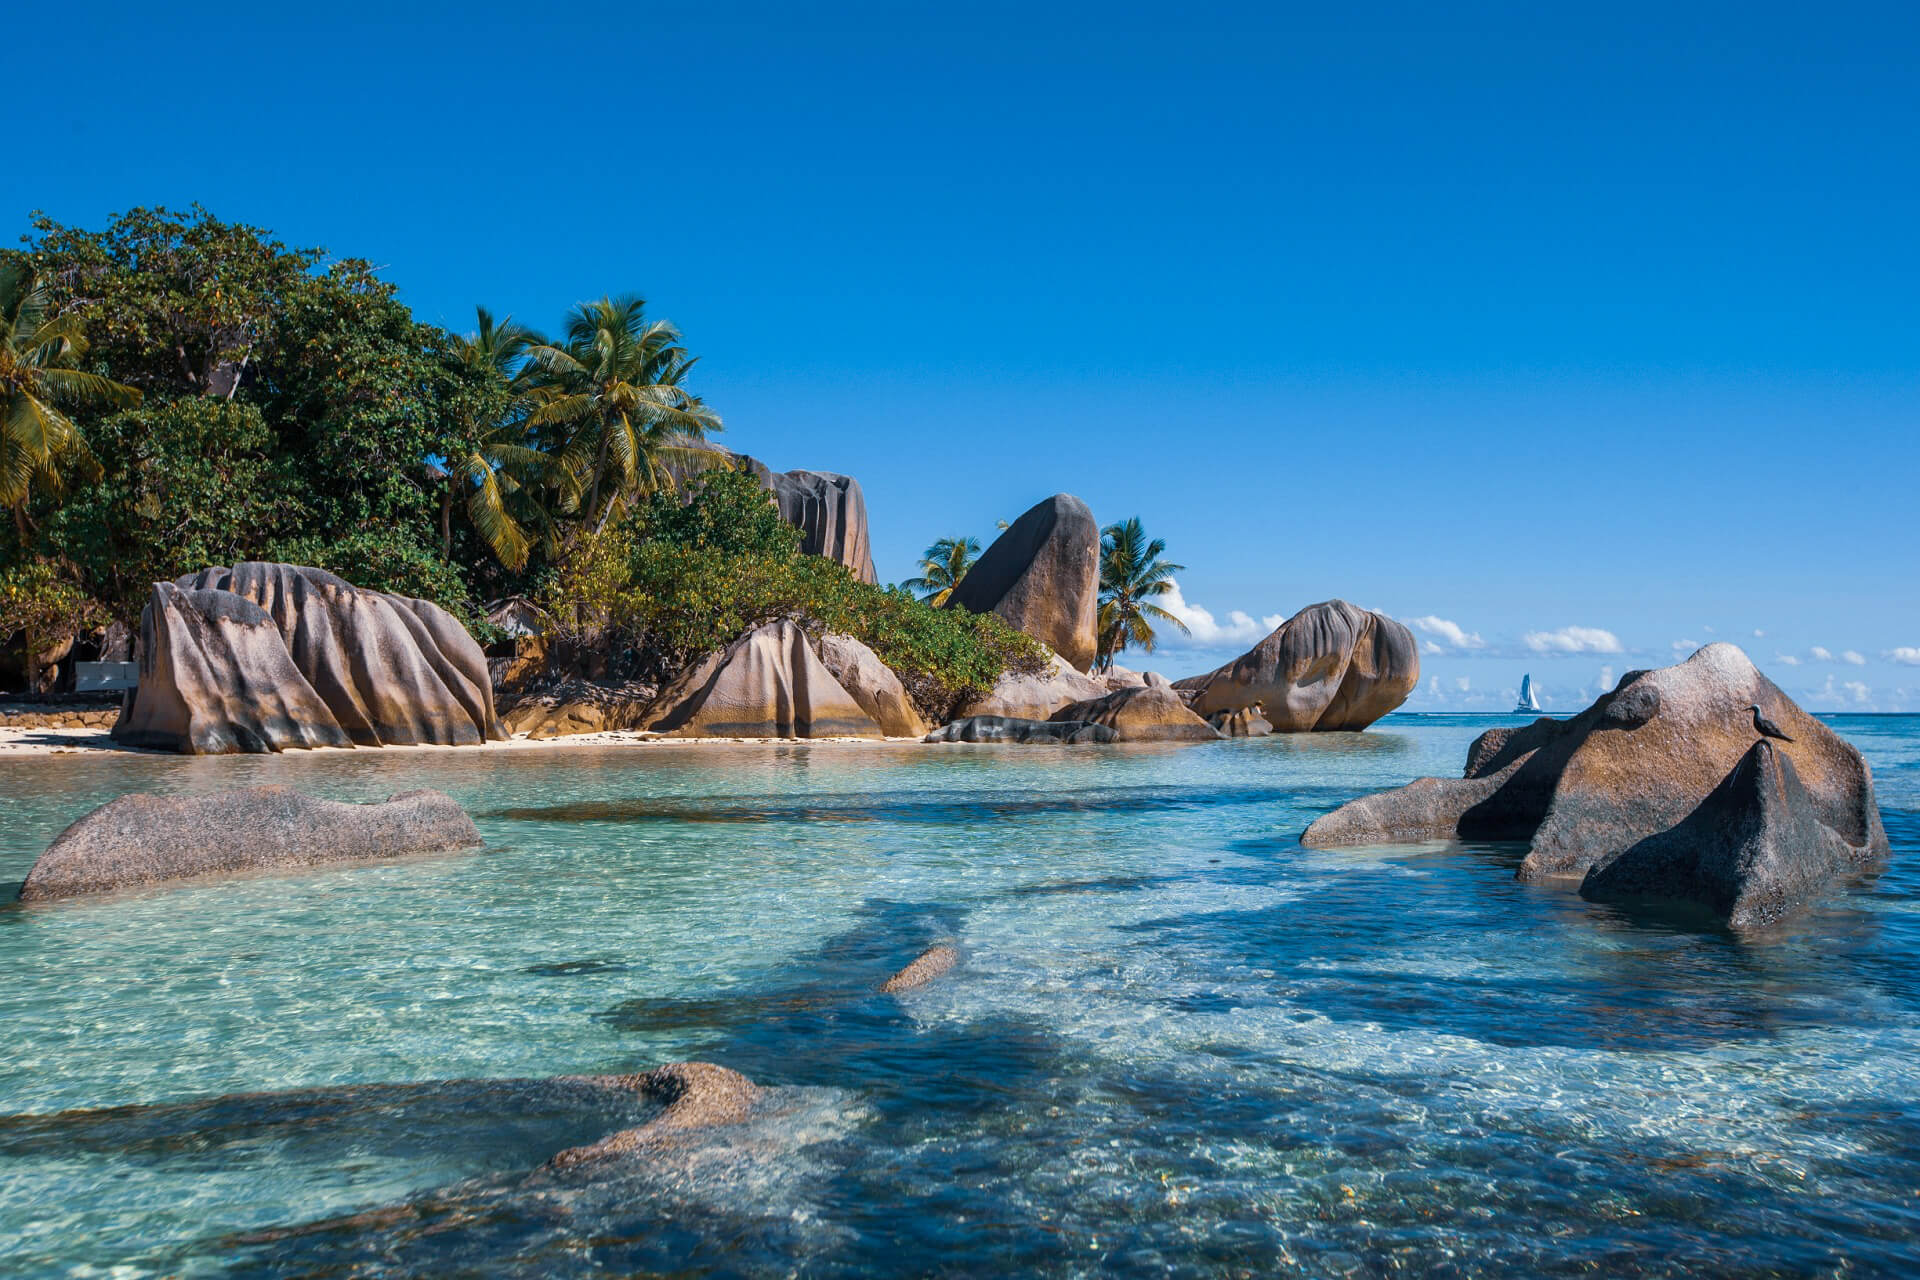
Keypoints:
(615, 390)
(42, 608)
(942, 567)
(185, 485)
(1132, 575)
(498, 462)
(725, 510)
(39, 383)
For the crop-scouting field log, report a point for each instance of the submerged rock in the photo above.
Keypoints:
(1042, 576)
(1010, 729)
(873, 685)
(143, 839)
(766, 684)
(1247, 722)
(262, 656)
(1141, 714)
(928, 965)
(1330, 667)
(1666, 774)
(1021, 696)
(697, 1095)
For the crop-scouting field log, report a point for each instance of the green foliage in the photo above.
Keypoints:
(41, 606)
(1132, 575)
(726, 511)
(942, 566)
(386, 559)
(189, 484)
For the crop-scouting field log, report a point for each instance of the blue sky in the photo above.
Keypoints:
(1512, 319)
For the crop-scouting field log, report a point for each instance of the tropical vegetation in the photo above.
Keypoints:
(1132, 576)
(941, 568)
(178, 391)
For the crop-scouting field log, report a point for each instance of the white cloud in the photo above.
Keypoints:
(1853, 659)
(1786, 659)
(1428, 646)
(1858, 690)
(1758, 634)
(1820, 654)
(1906, 655)
(1450, 632)
(1462, 683)
(1239, 628)
(1604, 682)
(1685, 646)
(1573, 640)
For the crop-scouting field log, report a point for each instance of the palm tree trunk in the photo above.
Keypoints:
(446, 516)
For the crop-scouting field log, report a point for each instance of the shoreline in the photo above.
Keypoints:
(28, 742)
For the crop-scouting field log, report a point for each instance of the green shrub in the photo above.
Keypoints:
(43, 608)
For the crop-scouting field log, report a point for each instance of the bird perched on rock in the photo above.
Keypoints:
(1765, 727)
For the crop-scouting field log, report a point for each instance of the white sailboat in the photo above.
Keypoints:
(1529, 700)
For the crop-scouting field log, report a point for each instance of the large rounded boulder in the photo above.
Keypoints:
(1042, 576)
(1662, 789)
(264, 656)
(873, 685)
(1330, 667)
(1022, 696)
(767, 684)
(1141, 714)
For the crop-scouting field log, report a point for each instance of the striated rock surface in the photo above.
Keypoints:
(1141, 714)
(1332, 666)
(1036, 697)
(144, 839)
(578, 706)
(1244, 723)
(1007, 729)
(1663, 777)
(873, 685)
(262, 656)
(766, 684)
(1042, 576)
(829, 509)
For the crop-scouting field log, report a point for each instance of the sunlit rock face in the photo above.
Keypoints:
(767, 684)
(1142, 715)
(1042, 576)
(264, 656)
(873, 685)
(1020, 696)
(139, 841)
(829, 509)
(1331, 666)
(1662, 789)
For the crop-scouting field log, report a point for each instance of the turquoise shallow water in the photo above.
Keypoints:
(1176, 1043)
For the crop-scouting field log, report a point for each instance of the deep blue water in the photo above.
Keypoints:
(1177, 1043)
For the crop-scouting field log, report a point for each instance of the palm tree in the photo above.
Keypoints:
(945, 563)
(38, 383)
(1131, 575)
(615, 390)
(498, 460)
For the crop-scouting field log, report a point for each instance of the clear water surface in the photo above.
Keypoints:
(1177, 1042)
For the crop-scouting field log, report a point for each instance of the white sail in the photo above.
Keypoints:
(1529, 700)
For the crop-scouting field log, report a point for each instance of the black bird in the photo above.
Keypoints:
(1765, 727)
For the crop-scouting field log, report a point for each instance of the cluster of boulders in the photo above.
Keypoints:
(1664, 789)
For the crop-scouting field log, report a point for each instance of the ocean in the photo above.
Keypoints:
(1176, 1042)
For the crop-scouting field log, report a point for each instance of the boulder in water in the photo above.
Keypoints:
(1042, 576)
(141, 840)
(263, 656)
(1247, 722)
(1006, 729)
(1020, 696)
(696, 1095)
(766, 684)
(1662, 777)
(928, 965)
(1330, 667)
(1141, 714)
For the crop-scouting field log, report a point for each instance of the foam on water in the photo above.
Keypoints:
(1175, 1041)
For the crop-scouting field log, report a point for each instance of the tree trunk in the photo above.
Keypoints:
(446, 517)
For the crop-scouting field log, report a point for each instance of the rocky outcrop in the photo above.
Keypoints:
(1117, 678)
(1330, 667)
(1244, 723)
(144, 840)
(873, 685)
(1006, 729)
(261, 657)
(1141, 715)
(766, 684)
(829, 510)
(1042, 576)
(928, 965)
(695, 1095)
(578, 706)
(1019, 696)
(1662, 777)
